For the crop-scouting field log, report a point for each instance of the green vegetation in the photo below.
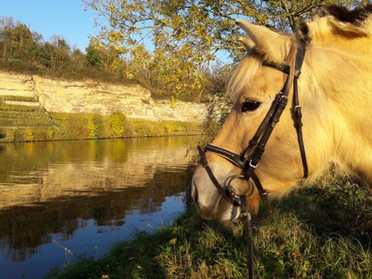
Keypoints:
(169, 45)
(67, 126)
(26, 52)
(317, 232)
(22, 122)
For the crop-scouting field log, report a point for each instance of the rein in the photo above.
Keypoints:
(248, 160)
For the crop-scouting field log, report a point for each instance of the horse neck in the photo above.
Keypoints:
(337, 86)
(341, 74)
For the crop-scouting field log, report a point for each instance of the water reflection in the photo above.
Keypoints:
(84, 195)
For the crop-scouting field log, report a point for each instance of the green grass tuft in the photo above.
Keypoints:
(300, 239)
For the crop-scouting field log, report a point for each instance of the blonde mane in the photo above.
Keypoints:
(342, 29)
(326, 29)
(243, 74)
(338, 72)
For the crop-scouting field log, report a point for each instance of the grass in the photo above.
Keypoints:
(4, 98)
(30, 122)
(16, 126)
(22, 115)
(5, 107)
(318, 232)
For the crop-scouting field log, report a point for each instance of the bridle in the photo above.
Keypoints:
(248, 160)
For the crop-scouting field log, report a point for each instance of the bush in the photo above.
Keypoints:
(117, 124)
(76, 126)
(96, 126)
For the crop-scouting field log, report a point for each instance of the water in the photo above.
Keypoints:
(60, 201)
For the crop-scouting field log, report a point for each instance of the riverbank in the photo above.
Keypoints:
(318, 232)
(73, 126)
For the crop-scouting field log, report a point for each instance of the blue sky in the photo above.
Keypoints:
(65, 18)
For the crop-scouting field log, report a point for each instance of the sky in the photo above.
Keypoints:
(65, 18)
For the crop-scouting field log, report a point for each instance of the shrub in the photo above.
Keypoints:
(117, 123)
(76, 126)
(3, 134)
(29, 135)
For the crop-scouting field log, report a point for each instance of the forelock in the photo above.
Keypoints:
(245, 71)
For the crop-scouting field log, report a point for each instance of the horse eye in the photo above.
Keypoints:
(250, 106)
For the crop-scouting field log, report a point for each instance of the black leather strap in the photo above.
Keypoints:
(266, 121)
(281, 67)
(203, 161)
(227, 154)
(251, 156)
(248, 235)
(296, 108)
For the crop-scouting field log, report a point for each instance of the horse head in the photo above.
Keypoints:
(335, 82)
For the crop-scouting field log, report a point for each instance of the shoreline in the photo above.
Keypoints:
(87, 126)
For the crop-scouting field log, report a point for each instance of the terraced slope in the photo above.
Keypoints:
(22, 112)
(22, 115)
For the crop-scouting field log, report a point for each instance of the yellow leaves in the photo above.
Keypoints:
(141, 59)
(177, 21)
(180, 35)
(115, 64)
(120, 49)
(117, 123)
(115, 37)
(172, 102)
(111, 8)
(129, 74)
(29, 135)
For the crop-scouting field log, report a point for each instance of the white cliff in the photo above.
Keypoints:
(95, 97)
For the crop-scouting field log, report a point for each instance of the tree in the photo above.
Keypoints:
(16, 40)
(61, 57)
(78, 62)
(184, 35)
(6, 25)
(102, 57)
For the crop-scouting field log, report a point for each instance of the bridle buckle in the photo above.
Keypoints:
(250, 164)
(283, 99)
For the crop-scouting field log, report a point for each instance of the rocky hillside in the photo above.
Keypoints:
(50, 95)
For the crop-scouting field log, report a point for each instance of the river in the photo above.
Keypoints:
(60, 201)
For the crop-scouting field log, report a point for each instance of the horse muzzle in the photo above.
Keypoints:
(209, 202)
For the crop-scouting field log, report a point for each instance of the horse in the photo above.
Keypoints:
(326, 70)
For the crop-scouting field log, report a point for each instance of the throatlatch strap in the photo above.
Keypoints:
(263, 192)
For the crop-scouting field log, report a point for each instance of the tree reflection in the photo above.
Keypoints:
(24, 227)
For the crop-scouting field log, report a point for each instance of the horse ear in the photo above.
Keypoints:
(264, 40)
(247, 43)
